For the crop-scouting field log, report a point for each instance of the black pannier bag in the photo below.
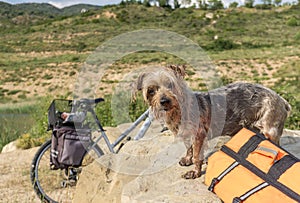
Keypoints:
(68, 144)
(68, 147)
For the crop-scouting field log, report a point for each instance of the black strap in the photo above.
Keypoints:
(266, 177)
(281, 166)
(244, 151)
(251, 145)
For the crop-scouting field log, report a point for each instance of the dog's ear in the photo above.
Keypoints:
(137, 86)
(139, 82)
(179, 70)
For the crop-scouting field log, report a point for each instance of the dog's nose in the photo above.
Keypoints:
(164, 101)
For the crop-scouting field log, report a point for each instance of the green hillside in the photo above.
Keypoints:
(40, 44)
(33, 13)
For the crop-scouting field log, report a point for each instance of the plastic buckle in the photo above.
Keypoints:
(213, 184)
(237, 200)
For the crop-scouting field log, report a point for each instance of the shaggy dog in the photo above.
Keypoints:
(193, 116)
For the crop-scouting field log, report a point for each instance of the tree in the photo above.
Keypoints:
(146, 3)
(164, 3)
(202, 4)
(176, 4)
(249, 3)
(233, 5)
(277, 2)
(267, 2)
(215, 4)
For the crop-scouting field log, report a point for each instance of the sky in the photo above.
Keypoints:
(64, 3)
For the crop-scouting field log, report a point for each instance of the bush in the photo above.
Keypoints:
(38, 133)
(249, 3)
(233, 5)
(135, 109)
(297, 36)
(222, 44)
(292, 22)
(263, 6)
(81, 46)
(26, 141)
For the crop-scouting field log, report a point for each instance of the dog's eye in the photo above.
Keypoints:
(170, 86)
(151, 91)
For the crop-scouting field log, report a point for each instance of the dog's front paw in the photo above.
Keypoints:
(192, 174)
(185, 161)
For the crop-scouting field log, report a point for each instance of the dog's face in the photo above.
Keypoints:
(161, 88)
(160, 96)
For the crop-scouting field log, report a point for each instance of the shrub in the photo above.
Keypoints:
(13, 92)
(249, 3)
(135, 109)
(81, 46)
(263, 6)
(292, 22)
(297, 36)
(47, 77)
(233, 5)
(222, 44)
(38, 132)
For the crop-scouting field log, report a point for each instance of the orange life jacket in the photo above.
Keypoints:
(250, 168)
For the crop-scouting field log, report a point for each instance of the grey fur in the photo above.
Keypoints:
(196, 116)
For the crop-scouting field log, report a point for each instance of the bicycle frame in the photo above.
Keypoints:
(40, 163)
(145, 116)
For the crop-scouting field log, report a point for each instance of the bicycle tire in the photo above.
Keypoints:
(50, 188)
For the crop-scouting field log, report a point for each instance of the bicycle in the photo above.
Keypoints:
(59, 185)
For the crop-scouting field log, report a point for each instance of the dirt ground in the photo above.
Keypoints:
(15, 185)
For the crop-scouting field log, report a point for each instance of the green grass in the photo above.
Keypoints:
(242, 33)
(288, 86)
(14, 121)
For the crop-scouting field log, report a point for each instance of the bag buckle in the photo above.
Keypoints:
(237, 200)
(213, 184)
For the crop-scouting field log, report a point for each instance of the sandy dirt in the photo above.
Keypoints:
(15, 185)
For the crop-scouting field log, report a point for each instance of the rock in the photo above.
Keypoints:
(209, 15)
(143, 171)
(167, 186)
(12, 146)
(99, 184)
(291, 141)
(148, 171)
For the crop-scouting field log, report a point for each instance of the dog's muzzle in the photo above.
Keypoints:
(165, 103)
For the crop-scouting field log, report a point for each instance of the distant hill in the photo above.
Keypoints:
(41, 9)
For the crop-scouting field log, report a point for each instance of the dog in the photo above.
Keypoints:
(193, 116)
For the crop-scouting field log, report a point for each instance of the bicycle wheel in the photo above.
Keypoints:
(57, 185)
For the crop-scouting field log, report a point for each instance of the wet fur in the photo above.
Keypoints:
(193, 116)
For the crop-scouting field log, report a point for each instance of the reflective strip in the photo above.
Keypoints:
(267, 150)
(215, 181)
(254, 190)
(230, 168)
(54, 153)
